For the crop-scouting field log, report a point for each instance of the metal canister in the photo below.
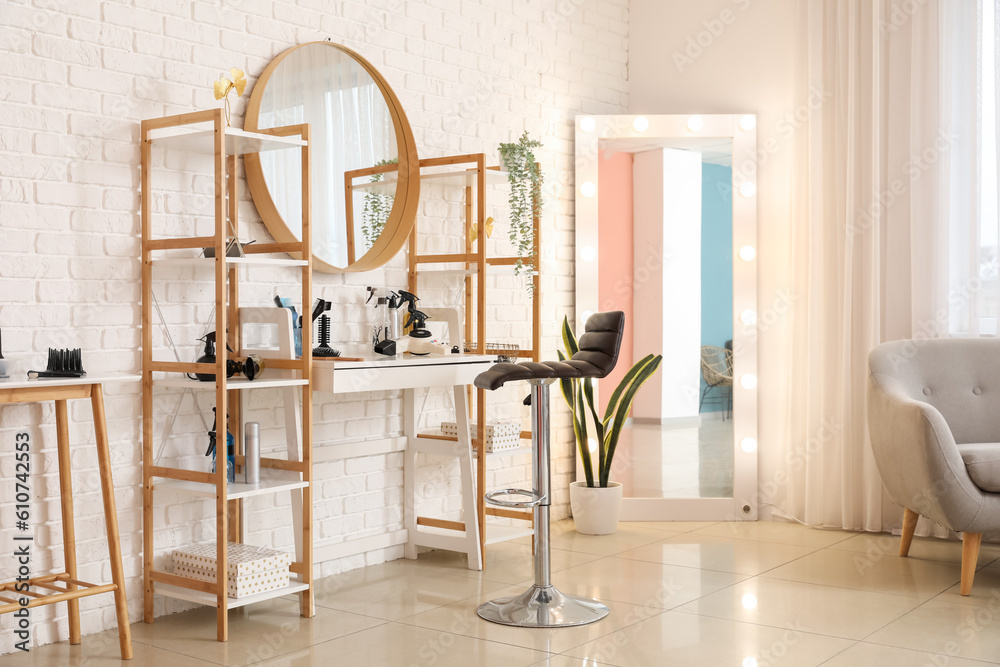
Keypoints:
(251, 447)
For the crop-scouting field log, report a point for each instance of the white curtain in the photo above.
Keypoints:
(885, 219)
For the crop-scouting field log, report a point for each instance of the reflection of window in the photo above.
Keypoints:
(351, 129)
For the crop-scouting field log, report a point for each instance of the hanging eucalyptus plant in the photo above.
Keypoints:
(518, 160)
(376, 208)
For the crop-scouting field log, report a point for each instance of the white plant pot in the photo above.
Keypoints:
(596, 510)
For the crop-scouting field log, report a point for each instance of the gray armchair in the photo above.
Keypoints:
(934, 422)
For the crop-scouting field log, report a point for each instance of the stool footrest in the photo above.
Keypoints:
(536, 499)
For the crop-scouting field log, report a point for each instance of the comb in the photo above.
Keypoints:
(62, 364)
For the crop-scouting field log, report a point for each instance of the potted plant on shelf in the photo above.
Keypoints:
(525, 178)
(597, 502)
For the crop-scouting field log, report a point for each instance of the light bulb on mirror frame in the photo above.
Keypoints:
(641, 124)
(748, 317)
(588, 189)
(695, 123)
(748, 381)
(747, 253)
(748, 445)
(749, 601)
(748, 122)
(588, 253)
(748, 189)
(588, 124)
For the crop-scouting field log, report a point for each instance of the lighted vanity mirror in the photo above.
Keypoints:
(666, 231)
(365, 171)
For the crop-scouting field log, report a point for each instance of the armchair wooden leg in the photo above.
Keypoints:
(970, 556)
(909, 525)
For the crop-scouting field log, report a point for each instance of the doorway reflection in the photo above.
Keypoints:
(666, 239)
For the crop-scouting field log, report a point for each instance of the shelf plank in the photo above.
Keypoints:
(238, 142)
(272, 483)
(210, 600)
(464, 178)
(496, 533)
(208, 262)
(231, 383)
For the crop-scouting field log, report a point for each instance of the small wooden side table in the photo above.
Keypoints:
(64, 586)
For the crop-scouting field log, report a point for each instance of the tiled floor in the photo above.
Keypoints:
(741, 594)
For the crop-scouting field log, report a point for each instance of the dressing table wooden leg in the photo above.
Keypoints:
(111, 521)
(410, 474)
(68, 520)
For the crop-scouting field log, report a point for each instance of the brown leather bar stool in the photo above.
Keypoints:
(542, 605)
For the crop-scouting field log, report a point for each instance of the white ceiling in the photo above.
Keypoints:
(714, 150)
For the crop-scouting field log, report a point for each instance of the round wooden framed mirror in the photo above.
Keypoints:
(365, 169)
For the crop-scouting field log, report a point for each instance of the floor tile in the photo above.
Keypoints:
(256, 632)
(566, 661)
(393, 590)
(460, 618)
(922, 548)
(672, 526)
(98, 650)
(718, 553)
(966, 631)
(678, 639)
(776, 531)
(628, 536)
(883, 574)
(827, 610)
(985, 589)
(505, 563)
(864, 654)
(640, 583)
(397, 645)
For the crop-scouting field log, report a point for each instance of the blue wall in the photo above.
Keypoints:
(716, 260)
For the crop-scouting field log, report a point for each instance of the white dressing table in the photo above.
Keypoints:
(409, 373)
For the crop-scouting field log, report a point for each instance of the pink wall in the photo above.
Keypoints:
(615, 255)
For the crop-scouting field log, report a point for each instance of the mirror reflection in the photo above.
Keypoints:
(666, 258)
(353, 140)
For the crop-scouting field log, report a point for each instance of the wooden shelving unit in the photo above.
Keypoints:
(471, 173)
(278, 475)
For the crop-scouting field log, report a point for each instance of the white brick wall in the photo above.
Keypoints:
(79, 75)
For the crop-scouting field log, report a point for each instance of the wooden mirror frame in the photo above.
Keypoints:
(405, 202)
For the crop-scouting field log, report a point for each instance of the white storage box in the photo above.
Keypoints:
(500, 436)
(250, 570)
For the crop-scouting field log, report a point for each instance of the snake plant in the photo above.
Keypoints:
(579, 396)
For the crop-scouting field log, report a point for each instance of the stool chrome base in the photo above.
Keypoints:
(543, 607)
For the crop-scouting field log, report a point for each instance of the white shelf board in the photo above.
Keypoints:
(496, 533)
(206, 262)
(272, 483)
(238, 142)
(443, 178)
(505, 452)
(208, 599)
(231, 383)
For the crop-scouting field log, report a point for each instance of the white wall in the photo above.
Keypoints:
(667, 298)
(78, 76)
(736, 56)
